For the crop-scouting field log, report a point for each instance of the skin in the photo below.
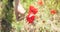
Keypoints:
(16, 3)
(16, 11)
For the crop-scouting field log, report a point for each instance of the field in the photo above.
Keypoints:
(45, 16)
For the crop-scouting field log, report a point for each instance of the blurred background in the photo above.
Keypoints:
(47, 18)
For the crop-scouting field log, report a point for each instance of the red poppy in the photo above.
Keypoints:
(53, 11)
(33, 9)
(40, 2)
(30, 18)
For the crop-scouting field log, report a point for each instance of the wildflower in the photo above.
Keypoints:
(53, 11)
(33, 10)
(30, 18)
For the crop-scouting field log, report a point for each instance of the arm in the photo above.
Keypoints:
(19, 9)
(15, 8)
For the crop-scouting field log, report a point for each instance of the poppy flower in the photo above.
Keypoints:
(40, 2)
(53, 11)
(30, 18)
(33, 9)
